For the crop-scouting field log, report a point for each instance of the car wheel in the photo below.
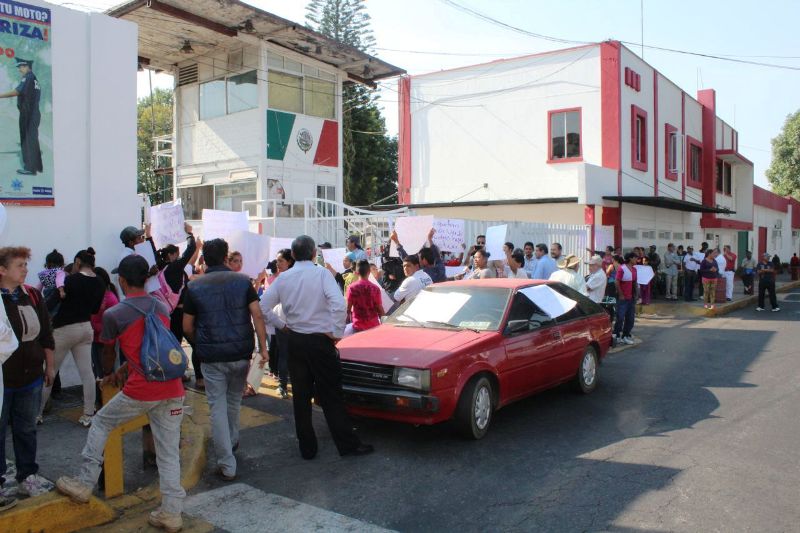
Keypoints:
(586, 378)
(475, 408)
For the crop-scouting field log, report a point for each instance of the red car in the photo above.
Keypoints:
(460, 350)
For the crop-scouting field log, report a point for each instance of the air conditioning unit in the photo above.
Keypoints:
(779, 224)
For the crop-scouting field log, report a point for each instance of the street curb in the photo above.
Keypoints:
(723, 309)
(54, 512)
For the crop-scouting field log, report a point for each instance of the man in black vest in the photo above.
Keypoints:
(219, 311)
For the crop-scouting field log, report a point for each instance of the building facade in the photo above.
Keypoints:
(591, 135)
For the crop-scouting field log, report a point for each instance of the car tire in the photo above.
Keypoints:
(475, 408)
(586, 378)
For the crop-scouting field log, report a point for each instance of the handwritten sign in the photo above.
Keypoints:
(166, 224)
(254, 249)
(449, 236)
(412, 232)
(495, 239)
(334, 258)
(222, 224)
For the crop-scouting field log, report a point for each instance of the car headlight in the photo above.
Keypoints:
(412, 378)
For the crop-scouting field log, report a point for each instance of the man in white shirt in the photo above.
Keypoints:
(597, 280)
(315, 314)
(416, 280)
(567, 273)
(691, 264)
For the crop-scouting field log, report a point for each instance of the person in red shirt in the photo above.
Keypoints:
(162, 401)
(730, 270)
(626, 297)
(364, 301)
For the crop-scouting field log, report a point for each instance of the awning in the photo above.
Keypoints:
(670, 203)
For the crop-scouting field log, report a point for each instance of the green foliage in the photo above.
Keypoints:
(784, 171)
(370, 156)
(154, 119)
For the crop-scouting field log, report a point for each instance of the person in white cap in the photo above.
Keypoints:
(567, 273)
(597, 280)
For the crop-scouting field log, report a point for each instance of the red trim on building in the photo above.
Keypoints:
(684, 149)
(669, 129)
(327, 153)
(724, 223)
(612, 216)
(404, 142)
(610, 106)
(708, 100)
(550, 137)
(47, 202)
(770, 200)
(655, 132)
(588, 219)
(696, 184)
(735, 154)
(795, 213)
(762, 241)
(636, 113)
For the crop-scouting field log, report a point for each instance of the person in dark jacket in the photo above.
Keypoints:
(28, 93)
(28, 369)
(219, 310)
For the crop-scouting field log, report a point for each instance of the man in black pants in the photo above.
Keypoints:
(315, 318)
(766, 283)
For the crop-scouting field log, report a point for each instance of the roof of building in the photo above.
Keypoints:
(165, 26)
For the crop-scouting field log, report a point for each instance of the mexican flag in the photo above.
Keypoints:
(296, 138)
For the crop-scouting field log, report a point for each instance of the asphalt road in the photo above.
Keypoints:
(696, 429)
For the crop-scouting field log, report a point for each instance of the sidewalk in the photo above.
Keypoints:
(681, 308)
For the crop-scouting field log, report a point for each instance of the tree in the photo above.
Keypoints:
(784, 171)
(154, 119)
(370, 156)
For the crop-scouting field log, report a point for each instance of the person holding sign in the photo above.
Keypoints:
(430, 257)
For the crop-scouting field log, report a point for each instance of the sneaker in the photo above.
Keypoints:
(223, 476)
(74, 488)
(627, 340)
(712, 306)
(284, 394)
(7, 503)
(167, 521)
(85, 420)
(776, 309)
(759, 308)
(34, 485)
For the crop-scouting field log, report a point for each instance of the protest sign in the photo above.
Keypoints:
(222, 224)
(412, 232)
(548, 300)
(276, 244)
(644, 273)
(449, 236)
(452, 272)
(254, 249)
(495, 239)
(166, 224)
(334, 257)
(385, 298)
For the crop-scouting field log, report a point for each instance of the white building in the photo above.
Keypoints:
(588, 135)
(258, 106)
(93, 141)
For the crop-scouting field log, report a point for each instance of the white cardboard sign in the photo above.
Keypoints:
(412, 232)
(385, 298)
(166, 224)
(548, 300)
(222, 224)
(255, 250)
(644, 273)
(495, 239)
(334, 257)
(276, 244)
(449, 236)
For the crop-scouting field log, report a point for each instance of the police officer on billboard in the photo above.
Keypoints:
(28, 93)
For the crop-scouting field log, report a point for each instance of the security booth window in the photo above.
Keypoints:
(195, 199)
(229, 197)
(212, 99)
(285, 92)
(242, 92)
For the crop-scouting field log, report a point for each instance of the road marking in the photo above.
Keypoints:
(241, 508)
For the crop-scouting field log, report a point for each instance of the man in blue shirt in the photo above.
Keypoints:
(545, 265)
(28, 93)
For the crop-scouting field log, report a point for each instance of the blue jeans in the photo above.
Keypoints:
(625, 316)
(224, 387)
(20, 409)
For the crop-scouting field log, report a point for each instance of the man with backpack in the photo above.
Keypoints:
(132, 324)
(219, 310)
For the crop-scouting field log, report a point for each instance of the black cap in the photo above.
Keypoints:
(132, 267)
(130, 233)
(23, 62)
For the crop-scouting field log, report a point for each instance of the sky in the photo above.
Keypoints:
(429, 35)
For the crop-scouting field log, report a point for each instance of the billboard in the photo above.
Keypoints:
(26, 105)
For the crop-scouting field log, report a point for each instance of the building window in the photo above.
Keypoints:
(300, 88)
(320, 98)
(212, 99)
(565, 135)
(285, 92)
(195, 199)
(326, 192)
(671, 140)
(724, 177)
(242, 92)
(229, 197)
(638, 138)
(695, 166)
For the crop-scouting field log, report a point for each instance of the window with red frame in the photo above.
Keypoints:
(695, 163)
(724, 177)
(638, 138)
(671, 143)
(565, 135)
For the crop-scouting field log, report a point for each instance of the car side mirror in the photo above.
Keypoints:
(517, 326)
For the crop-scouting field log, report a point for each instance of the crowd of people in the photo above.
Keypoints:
(286, 321)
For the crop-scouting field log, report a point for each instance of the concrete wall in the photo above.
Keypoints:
(489, 124)
(566, 213)
(779, 241)
(94, 142)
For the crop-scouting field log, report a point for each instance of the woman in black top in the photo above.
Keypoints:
(173, 264)
(72, 329)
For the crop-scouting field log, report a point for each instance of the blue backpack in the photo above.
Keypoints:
(162, 358)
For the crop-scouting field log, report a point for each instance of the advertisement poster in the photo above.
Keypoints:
(26, 105)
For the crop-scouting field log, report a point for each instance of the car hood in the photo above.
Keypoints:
(407, 346)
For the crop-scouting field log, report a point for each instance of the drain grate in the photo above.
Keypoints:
(794, 297)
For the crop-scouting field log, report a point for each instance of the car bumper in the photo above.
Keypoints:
(390, 399)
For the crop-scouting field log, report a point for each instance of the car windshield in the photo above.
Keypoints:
(468, 307)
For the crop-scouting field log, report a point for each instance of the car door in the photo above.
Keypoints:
(529, 353)
(575, 335)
